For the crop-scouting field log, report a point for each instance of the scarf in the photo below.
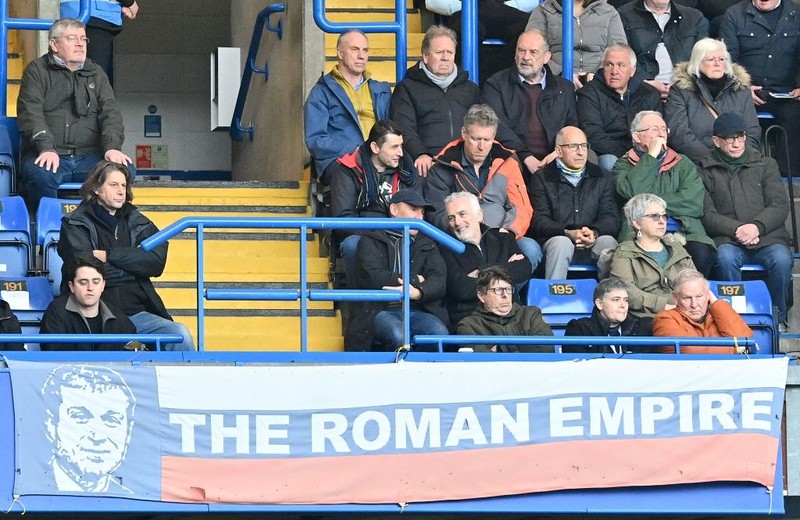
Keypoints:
(715, 86)
(441, 82)
(734, 164)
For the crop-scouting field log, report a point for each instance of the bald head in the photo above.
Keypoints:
(572, 147)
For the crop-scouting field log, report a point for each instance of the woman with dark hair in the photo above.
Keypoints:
(107, 226)
(708, 85)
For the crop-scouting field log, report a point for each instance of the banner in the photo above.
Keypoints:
(392, 433)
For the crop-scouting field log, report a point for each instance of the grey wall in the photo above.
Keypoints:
(162, 59)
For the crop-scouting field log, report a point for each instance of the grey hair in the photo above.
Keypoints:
(634, 209)
(702, 49)
(545, 45)
(686, 275)
(636, 124)
(481, 115)
(347, 33)
(620, 47)
(63, 23)
(434, 31)
(606, 286)
(474, 202)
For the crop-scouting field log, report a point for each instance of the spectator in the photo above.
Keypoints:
(363, 182)
(83, 311)
(480, 165)
(609, 317)
(653, 167)
(333, 125)
(576, 209)
(608, 104)
(764, 37)
(698, 312)
(67, 115)
(429, 104)
(745, 211)
(485, 247)
(532, 103)
(380, 267)
(105, 22)
(500, 315)
(107, 226)
(9, 324)
(596, 25)
(662, 34)
(705, 87)
(647, 262)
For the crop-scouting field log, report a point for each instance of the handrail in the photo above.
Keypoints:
(158, 339)
(304, 224)
(559, 341)
(237, 132)
(36, 24)
(398, 27)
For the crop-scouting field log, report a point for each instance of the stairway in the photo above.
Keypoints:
(244, 259)
(382, 47)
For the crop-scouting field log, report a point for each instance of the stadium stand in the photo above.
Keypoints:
(561, 300)
(28, 297)
(48, 229)
(15, 239)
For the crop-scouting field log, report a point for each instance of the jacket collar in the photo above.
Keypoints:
(105, 313)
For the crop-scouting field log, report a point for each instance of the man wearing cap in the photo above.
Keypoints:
(745, 211)
(379, 266)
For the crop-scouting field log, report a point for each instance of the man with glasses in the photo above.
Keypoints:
(745, 211)
(67, 115)
(576, 216)
(500, 315)
(653, 167)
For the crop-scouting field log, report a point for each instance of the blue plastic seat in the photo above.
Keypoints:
(751, 299)
(48, 231)
(28, 297)
(562, 300)
(8, 175)
(15, 237)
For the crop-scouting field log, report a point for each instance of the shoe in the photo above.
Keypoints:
(783, 327)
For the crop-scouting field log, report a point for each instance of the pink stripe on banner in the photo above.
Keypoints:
(379, 479)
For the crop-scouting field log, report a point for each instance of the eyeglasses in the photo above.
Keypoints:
(655, 217)
(73, 38)
(574, 147)
(654, 129)
(500, 291)
(734, 138)
(715, 59)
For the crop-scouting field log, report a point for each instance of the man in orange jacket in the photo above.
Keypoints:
(698, 312)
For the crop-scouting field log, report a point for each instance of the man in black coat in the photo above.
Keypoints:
(609, 317)
(430, 103)
(486, 247)
(380, 266)
(608, 104)
(532, 103)
(83, 311)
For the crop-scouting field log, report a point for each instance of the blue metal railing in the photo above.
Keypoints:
(262, 23)
(302, 293)
(398, 27)
(34, 24)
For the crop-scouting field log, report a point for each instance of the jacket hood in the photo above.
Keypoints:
(684, 80)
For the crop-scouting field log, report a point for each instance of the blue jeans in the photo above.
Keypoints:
(348, 248)
(777, 259)
(607, 161)
(147, 323)
(389, 328)
(532, 251)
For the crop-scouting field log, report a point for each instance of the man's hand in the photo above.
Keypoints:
(131, 11)
(413, 292)
(711, 297)
(100, 255)
(532, 164)
(795, 93)
(757, 100)
(657, 146)
(549, 158)
(748, 234)
(513, 258)
(663, 88)
(474, 273)
(118, 157)
(576, 236)
(423, 164)
(588, 237)
(48, 160)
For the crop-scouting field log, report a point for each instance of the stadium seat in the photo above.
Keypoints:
(28, 297)
(751, 299)
(562, 300)
(48, 229)
(8, 177)
(15, 237)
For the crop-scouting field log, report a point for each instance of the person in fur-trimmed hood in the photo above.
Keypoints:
(706, 86)
(648, 262)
